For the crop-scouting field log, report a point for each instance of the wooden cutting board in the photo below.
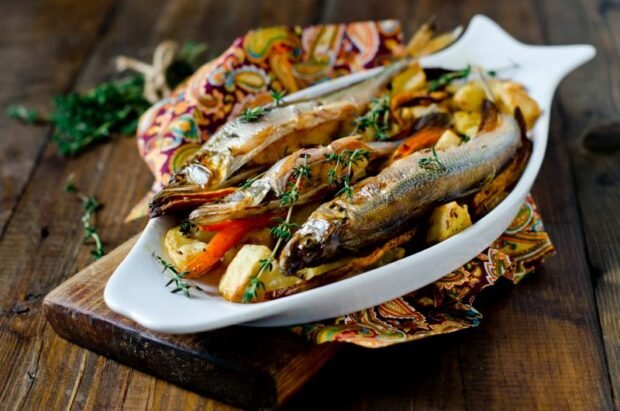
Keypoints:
(248, 367)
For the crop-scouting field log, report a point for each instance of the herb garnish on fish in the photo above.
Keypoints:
(447, 78)
(347, 159)
(253, 114)
(432, 161)
(377, 118)
(282, 232)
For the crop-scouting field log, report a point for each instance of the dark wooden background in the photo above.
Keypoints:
(551, 343)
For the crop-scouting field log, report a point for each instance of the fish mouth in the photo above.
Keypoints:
(313, 244)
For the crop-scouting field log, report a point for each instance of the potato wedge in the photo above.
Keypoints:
(469, 97)
(511, 95)
(467, 122)
(246, 265)
(448, 139)
(446, 221)
(181, 249)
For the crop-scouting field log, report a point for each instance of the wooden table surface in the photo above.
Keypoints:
(553, 342)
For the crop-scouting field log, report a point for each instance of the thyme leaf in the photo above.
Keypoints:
(91, 206)
(176, 277)
(432, 161)
(277, 96)
(377, 118)
(82, 119)
(447, 78)
(282, 232)
(347, 159)
(253, 114)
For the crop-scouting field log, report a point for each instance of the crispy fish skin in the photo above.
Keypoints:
(238, 141)
(277, 178)
(385, 205)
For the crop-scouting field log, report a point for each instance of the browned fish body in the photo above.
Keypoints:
(241, 141)
(254, 198)
(387, 204)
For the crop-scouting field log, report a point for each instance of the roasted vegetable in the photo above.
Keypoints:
(447, 220)
(244, 267)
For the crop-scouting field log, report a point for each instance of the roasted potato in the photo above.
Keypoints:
(181, 249)
(246, 265)
(511, 95)
(446, 221)
(448, 139)
(469, 97)
(467, 122)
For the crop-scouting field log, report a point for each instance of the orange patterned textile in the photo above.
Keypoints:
(281, 58)
(446, 305)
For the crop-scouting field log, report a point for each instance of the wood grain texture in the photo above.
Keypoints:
(539, 346)
(238, 365)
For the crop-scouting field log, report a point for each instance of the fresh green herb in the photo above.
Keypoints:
(81, 119)
(91, 205)
(253, 114)
(25, 114)
(447, 78)
(255, 284)
(177, 278)
(347, 159)
(283, 229)
(186, 228)
(282, 232)
(377, 118)
(277, 96)
(111, 108)
(492, 73)
(432, 161)
(464, 137)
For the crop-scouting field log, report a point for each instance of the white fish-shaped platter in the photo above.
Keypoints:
(137, 287)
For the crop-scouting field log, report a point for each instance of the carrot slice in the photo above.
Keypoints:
(221, 242)
(229, 233)
(419, 140)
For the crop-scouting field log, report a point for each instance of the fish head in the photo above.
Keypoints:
(313, 243)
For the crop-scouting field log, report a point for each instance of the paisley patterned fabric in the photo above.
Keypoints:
(273, 58)
(283, 58)
(446, 305)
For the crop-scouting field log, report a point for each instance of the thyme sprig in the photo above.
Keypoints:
(447, 78)
(282, 232)
(252, 114)
(345, 160)
(377, 118)
(82, 119)
(25, 115)
(277, 96)
(432, 161)
(91, 205)
(177, 278)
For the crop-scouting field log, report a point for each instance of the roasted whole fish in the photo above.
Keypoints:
(254, 199)
(256, 141)
(386, 205)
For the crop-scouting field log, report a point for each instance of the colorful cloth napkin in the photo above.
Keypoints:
(284, 58)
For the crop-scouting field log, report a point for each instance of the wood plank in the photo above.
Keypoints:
(590, 124)
(539, 345)
(86, 380)
(34, 68)
(239, 365)
(433, 374)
